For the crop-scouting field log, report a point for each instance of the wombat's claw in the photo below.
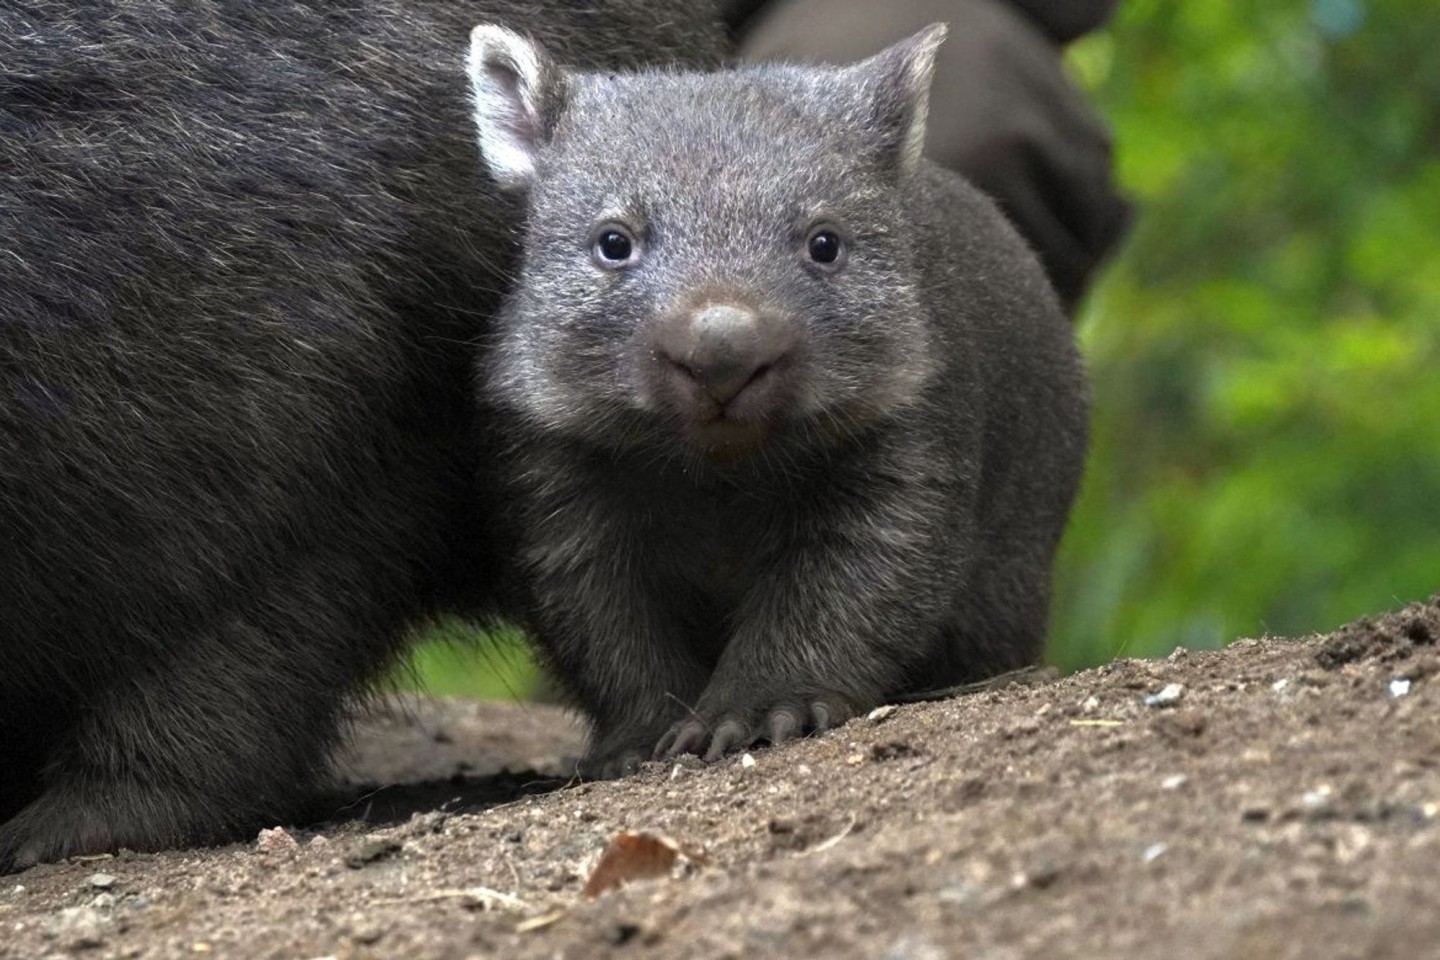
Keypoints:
(610, 765)
(729, 735)
(687, 736)
(733, 732)
(59, 825)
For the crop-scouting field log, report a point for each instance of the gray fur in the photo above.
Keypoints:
(883, 517)
(243, 250)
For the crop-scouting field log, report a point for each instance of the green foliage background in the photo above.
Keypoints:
(1264, 351)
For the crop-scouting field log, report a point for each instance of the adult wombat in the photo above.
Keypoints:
(239, 243)
(794, 418)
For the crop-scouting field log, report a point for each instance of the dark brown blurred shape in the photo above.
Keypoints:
(1002, 111)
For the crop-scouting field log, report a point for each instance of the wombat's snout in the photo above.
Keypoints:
(724, 353)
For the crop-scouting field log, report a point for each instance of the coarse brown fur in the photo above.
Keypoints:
(243, 248)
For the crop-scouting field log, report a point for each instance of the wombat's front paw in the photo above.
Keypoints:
(714, 733)
(617, 755)
(52, 828)
(610, 766)
(76, 821)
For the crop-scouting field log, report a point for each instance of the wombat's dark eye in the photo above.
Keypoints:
(614, 246)
(825, 247)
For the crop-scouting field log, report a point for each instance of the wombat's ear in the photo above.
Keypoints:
(897, 82)
(519, 94)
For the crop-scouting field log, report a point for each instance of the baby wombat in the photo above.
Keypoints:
(794, 418)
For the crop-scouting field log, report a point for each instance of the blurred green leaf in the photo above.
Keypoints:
(456, 658)
(1267, 416)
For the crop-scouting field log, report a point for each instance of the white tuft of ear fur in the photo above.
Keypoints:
(898, 79)
(518, 93)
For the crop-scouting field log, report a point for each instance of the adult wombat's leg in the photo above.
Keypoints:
(197, 742)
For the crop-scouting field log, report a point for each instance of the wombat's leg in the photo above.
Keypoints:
(839, 621)
(612, 623)
(224, 734)
(624, 659)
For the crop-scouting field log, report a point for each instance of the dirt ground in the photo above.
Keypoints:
(1278, 799)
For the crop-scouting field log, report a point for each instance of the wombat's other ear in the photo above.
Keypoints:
(897, 83)
(519, 94)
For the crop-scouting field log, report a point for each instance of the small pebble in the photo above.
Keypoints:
(747, 761)
(1399, 687)
(1280, 684)
(367, 934)
(1168, 696)
(372, 851)
(101, 881)
(1154, 852)
(1042, 875)
(1174, 782)
(881, 714)
(275, 839)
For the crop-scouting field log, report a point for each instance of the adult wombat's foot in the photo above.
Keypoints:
(67, 822)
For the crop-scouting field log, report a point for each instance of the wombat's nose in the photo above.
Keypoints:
(724, 347)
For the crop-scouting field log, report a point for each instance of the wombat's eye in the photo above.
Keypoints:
(614, 246)
(825, 247)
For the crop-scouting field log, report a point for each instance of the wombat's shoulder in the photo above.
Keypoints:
(962, 236)
(995, 319)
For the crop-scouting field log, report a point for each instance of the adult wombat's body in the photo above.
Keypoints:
(239, 244)
(796, 420)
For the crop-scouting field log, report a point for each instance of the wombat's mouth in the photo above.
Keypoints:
(724, 424)
(704, 397)
(724, 440)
